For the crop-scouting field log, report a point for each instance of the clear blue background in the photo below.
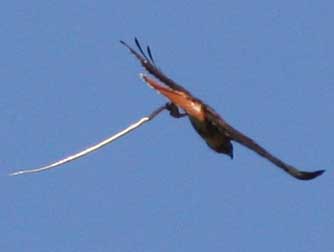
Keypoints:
(67, 82)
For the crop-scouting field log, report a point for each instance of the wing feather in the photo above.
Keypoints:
(152, 69)
(246, 141)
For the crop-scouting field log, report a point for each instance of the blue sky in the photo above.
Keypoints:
(67, 82)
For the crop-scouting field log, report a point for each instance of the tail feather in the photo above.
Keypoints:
(180, 99)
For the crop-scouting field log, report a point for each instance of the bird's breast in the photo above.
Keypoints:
(214, 138)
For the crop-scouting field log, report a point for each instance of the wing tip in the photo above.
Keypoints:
(309, 175)
(124, 43)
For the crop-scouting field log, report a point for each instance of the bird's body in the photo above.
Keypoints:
(217, 133)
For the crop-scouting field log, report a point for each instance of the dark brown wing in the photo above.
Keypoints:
(239, 137)
(149, 65)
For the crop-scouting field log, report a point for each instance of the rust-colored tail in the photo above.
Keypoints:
(173, 95)
(179, 98)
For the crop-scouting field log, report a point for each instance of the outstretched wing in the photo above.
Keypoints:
(181, 96)
(148, 64)
(239, 137)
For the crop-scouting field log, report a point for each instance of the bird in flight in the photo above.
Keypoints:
(216, 132)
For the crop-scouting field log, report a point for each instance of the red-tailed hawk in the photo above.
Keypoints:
(216, 132)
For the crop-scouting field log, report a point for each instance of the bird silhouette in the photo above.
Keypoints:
(216, 132)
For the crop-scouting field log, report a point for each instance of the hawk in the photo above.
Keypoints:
(216, 132)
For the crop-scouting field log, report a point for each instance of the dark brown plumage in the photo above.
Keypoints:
(217, 133)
